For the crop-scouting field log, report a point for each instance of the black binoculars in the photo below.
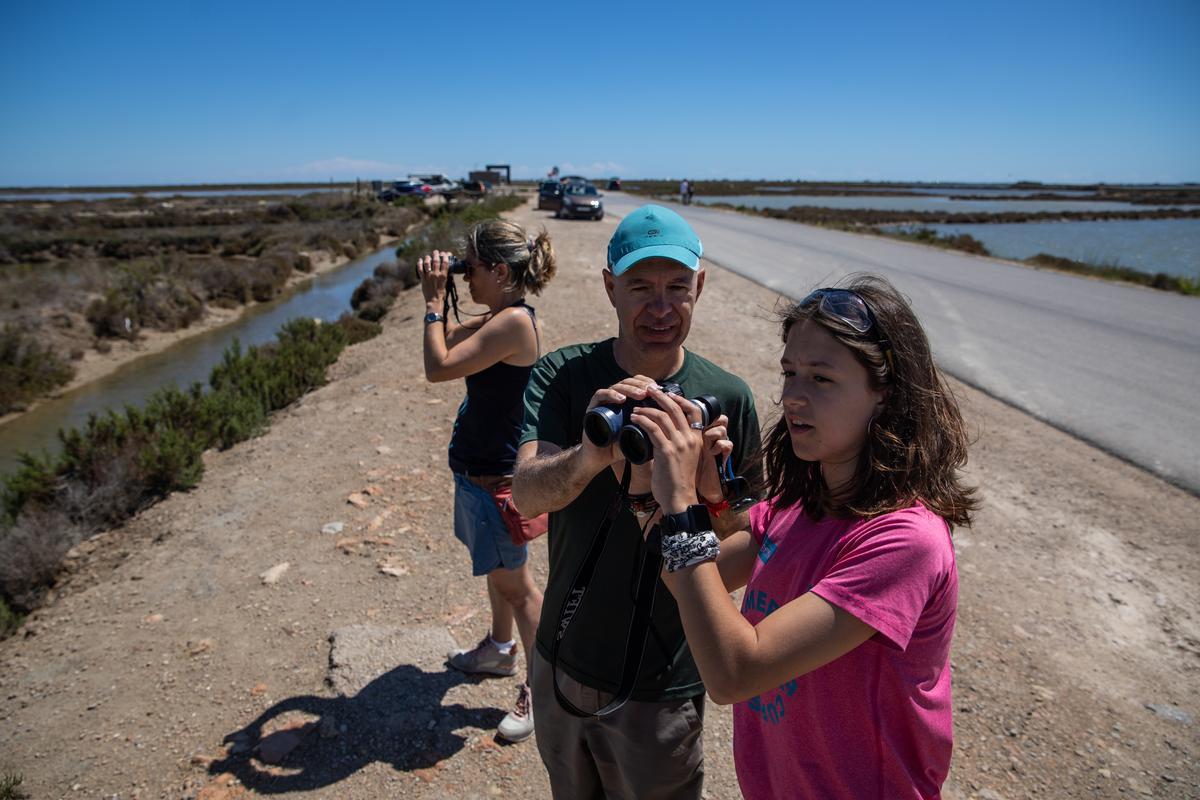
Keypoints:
(606, 424)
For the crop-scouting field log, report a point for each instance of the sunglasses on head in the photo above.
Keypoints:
(849, 307)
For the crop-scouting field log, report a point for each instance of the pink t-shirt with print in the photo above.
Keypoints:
(874, 723)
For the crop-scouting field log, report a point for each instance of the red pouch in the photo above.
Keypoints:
(520, 530)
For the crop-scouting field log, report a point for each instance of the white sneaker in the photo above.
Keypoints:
(517, 725)
(484, 658)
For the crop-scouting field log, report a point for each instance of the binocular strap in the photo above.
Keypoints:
(643, 607)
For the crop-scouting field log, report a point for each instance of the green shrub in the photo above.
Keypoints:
(120, 462)
(249, 243)
(1155, 280)
(358, 329)
(222, 282)
(376, 309)
(963, 241)
(34, 480)
(168, 305)
(967, 243)
(114, 316)
(27, 369)
(269, 274)
(33, 549)
(148, 293)
(10, 786)
(9, 622)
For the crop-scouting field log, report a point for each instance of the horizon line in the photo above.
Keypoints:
(96, 187)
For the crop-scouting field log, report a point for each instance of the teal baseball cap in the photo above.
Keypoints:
(653, 231)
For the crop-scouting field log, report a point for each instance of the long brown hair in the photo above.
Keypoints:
(915, 446)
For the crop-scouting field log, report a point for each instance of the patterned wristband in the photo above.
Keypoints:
(683, 550)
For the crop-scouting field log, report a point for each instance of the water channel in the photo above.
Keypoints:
(324, 297)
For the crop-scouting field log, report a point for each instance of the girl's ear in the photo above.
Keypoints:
(502, 273)
(881, 398)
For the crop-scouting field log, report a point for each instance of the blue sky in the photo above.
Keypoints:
(167, 91)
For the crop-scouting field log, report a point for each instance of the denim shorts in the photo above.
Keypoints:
(478, 525)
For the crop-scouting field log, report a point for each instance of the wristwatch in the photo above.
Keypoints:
(691, 521)
(434, 316)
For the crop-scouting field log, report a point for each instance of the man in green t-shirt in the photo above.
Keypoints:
(650, 747)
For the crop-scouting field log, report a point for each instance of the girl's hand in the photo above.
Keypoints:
(433, 271)
(717, 448)
(677, 448)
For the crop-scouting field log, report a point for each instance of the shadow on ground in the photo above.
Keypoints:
(398, 718)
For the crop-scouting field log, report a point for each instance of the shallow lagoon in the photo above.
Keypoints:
(1151, 245)
(926, 203)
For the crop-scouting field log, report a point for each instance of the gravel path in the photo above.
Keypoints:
(170, 667)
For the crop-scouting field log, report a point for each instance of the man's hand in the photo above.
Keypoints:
(618, 394)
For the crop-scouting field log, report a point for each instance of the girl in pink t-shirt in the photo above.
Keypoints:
(839, 663)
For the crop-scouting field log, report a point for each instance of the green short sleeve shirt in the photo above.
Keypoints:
(560, 387)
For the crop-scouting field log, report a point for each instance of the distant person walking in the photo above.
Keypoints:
(495, 356)
(684, 191)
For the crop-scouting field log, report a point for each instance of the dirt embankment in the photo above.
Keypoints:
(180, 638)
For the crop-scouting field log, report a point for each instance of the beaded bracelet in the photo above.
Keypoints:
(685, 549)
(642, 505)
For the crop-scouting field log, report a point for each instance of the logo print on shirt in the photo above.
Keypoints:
(767, 550)
(772, 711)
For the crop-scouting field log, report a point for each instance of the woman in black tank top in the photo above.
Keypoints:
(495, 355)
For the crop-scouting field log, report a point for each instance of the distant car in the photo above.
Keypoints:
(550, 195)
(400, 189)
(443, 185)
(438, 184)
(614, 184)
(581, 200)
(474, 188)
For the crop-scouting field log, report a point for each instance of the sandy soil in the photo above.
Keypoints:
(167, 654)
(95, 365)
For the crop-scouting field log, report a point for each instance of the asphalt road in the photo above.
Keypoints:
(1115, 365)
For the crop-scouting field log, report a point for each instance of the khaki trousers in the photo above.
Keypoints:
(643, 751)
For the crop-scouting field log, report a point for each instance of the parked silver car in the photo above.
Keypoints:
(581, 200)
(440, 184)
